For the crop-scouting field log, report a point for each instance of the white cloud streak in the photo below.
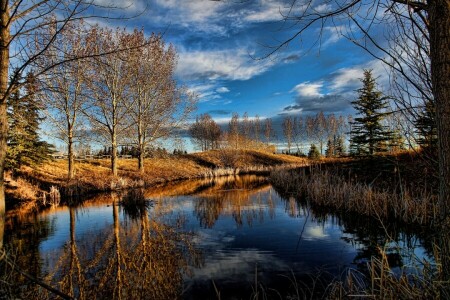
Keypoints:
(234, 64)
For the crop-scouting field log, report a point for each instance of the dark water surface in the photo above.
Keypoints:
(234, 237)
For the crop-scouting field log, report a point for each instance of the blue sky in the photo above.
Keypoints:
(218, 43)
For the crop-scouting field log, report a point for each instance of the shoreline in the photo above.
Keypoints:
(45, 185)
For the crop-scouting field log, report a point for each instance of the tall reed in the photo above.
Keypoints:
(324, 188)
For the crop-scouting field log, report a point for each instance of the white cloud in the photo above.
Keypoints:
(265, 11)
(346, 77)
(233, 64)
(203, 91)
(309, 89)
(222, 90)
(332, 34)
(323, 8)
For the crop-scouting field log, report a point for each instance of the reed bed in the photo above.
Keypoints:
(324, 188)
(381, 283)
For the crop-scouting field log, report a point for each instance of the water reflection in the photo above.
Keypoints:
(175, 241)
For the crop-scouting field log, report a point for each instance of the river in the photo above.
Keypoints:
(228, 238)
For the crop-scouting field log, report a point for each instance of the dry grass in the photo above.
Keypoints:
(381, 283)
(327, 189)
(95, 175)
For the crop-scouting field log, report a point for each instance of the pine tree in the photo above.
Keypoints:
(368, 134)
(426, 128)
(24, 145)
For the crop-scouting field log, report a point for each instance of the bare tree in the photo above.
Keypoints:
(257, 129)
(206, 132)
(288, 130)
(109, 83)
(246, 128)
(63, 87)
(233, 131)
(268, 130)
(158, 106)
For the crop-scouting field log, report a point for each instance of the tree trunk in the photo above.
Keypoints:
(141, 159)
(114, 156)
(440, 70)
(4, 65)
(71, 160)
(439, 15)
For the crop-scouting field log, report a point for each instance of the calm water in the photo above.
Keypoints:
(234, 236)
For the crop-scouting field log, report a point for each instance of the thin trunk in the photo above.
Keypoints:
(141, 158)
(4, 65)
(114, 155)
(439, 14)
(71, 158)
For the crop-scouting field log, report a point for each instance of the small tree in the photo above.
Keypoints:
(313, 152)
(288, 130)
(368, 135)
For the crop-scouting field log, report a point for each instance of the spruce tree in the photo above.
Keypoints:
(368, 134)
(24, 145)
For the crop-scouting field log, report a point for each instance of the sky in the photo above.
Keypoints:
(221, 45)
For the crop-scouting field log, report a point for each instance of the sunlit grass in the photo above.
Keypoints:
(94, 175)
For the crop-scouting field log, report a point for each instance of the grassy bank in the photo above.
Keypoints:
(388, 189)
(385, 187)
(32, 186)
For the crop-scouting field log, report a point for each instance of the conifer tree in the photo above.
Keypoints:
(24, 145)
(313, 152)
(426, 127)
(368, 134)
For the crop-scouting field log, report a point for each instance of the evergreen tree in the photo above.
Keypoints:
(426, 127)
(335, 147)
(313, 152)
(368, 134)
(330, 151)
(24, 145)
(340, 147)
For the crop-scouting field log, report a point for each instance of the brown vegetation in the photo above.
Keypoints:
(382, 186)
(95, 175)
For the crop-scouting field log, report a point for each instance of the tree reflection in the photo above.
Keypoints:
(145, 257)
(240, 197)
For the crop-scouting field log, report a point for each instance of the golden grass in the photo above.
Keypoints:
(95, 175)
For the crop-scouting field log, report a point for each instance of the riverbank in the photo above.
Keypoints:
(42, 185)
(400, 187)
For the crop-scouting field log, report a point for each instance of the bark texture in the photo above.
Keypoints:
(439, 16)
(4, 66)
